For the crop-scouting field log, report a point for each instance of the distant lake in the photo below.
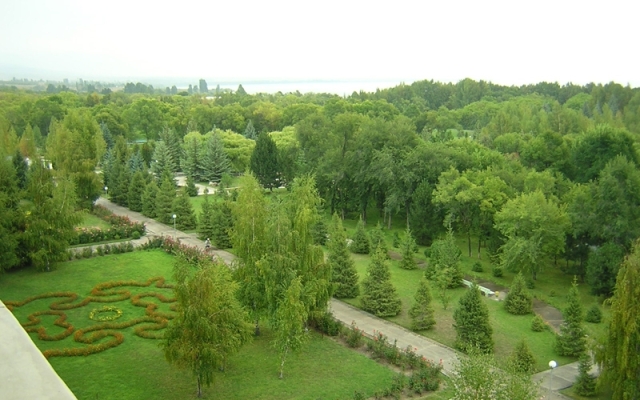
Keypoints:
(339, 87)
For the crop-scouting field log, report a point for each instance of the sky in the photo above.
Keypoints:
(506, 42)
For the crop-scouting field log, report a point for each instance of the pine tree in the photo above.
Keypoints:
(222, 223)
(149, 199)
(182, 208)
(205, 219)
(518, 301)
(215, 160)
(360, 244)
(192, 162)
(119, 189)
(421, 313)
(445, 256)
(21, 168)
(107, 136)
(344, 276)
(250, 131)
(136, 190)
(379, 297)
(135, 163)
(571, 341)
(164, 200)
(522, 359)
(585, 383)
(408, 244)
(162, 160)
(264, 161)
(377, 240)
(191, 187)
(620, 360)
(173, 142)
(472, 324)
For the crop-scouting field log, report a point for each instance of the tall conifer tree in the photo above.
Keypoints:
(472, 324)
(379, 297)
(572, 341)
(344, 275)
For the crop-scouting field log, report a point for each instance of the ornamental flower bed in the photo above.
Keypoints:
(121, 228)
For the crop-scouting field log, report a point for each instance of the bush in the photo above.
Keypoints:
(135, 235)
(530, 283)
(326, 324)
(355, 336)
(552, 293)
(522, 359)
(538, 324)
(426, 378)
(585, 384)
(100, 250)
(477, 267)
(497, 272)
(594, 315)
(518, 301)
(87, 252)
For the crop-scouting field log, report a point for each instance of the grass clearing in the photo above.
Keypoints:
(136, 369)
(91, 221)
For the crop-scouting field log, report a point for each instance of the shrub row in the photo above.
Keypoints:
(121, 228)
(102, 250)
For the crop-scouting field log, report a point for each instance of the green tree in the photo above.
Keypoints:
(290, 320)
(9, 201)
(149, 199)
(191, 187)
(136, 191)
(182, 208)
(421, 312)
(250, 131)
(210, 324)
(572, 341)
(522, 359)
(163, 160)
(192, 162)
(379, 297)
(602, 268)
(408, 246)
(518, 301)
(344, 275)
(361, 244)
(205, 219)
(620, 360)
(585, 384)
(120, 182)
(164, 200)
(264, 161)
(535, 227)
(249, 239)
(472, 324)
(21, 169)
(222, 224)
(215, 161)
(378, 240)
(50, 218)
(444, 261)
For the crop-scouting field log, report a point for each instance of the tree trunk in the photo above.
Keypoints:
(389, 220)
(199, 388)
(479, 244)
(469, 241)
(257, 332)
(284, 356)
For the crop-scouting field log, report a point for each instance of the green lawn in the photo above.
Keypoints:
(91, 221)
(136, 369)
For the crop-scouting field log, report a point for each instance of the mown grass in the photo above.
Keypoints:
(137, 369)
(91, 221)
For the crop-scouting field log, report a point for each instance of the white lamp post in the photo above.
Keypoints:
(106, 191)
(175, 236)
(552, 365)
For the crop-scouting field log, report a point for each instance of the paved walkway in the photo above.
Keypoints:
(550, 381)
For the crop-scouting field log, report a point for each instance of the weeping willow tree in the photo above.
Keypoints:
(620, 360)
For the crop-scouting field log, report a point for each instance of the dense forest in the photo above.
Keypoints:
(535, 174)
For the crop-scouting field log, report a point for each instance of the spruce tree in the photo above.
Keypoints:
(407, 247)
(571, 341)
(191, 187)
(136, 190)
(361, 244)
(518, 301)
(119, 188)
(205, 219)
(164, 200)
(522, 359)
(192, 162)
(377, 241)
(182, 208)
(162, 160)
(222, 223)
(472, 324)
(621, 358)
(379, 297)
(149, 199)
(585, 383)
(445, 256)
(250, 131)
(173, 142)
(215, 160)
(421, 312)
(264, 161)
(21, 168)
(344, 276)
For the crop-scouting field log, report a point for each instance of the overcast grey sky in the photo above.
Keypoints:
(508, 42)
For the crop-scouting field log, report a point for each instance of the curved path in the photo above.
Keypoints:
(562, 377)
